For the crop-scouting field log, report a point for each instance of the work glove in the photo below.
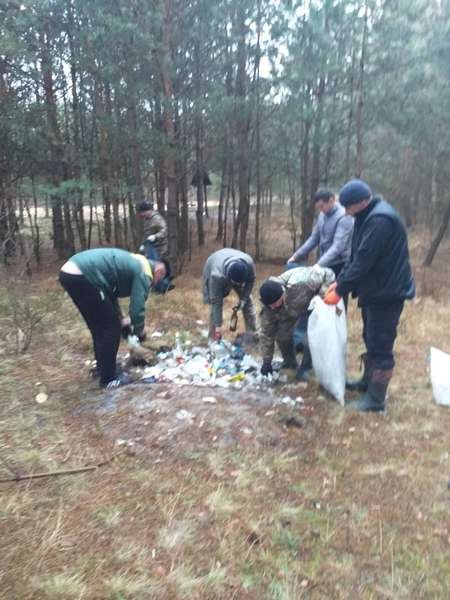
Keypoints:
(142, 249)
(266, 368)
(151, 238)
(331, 296)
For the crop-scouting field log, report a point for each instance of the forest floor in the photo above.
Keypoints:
(230, 503)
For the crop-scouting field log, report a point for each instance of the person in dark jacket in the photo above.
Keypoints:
(379, 274)
(95, 280)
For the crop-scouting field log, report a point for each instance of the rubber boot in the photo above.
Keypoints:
(361, 384)
(288, 353)
(373, 400)
(304, 371)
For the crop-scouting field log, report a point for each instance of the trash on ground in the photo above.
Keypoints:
(184, 415)
(209, 400)
(220, 364)
(41, 398)
(440, 376)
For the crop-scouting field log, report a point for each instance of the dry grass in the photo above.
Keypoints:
(349, 506)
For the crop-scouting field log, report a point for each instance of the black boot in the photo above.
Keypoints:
(361, 384)
(373, 400)
(288, 353)
(304, 371)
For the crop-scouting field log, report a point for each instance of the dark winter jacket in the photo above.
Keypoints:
(379, 270)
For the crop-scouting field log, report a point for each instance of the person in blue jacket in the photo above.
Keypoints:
(379, 274)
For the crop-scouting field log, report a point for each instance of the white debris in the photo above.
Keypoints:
(184, 415)
(199, 322)
(41, 398)
(246, 430)
(156, 334)
(220, 364)
(209, 400)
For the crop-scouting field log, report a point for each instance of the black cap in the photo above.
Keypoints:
(144, 206)
(270, 292)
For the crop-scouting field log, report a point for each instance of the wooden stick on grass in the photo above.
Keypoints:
(60, 472)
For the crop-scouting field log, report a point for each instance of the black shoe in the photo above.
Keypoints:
(303, 374)
(361, 384)
(288, 353)
(368, 402)
(123, 379)
(374, 398)
(95, 371)
(356, 385)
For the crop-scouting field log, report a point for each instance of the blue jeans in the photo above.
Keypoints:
(152, 253)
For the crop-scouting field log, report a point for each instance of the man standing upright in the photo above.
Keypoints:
(225, 270)
(332, 233)
(379, 274)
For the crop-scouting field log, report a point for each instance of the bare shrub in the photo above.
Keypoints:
(23, 314)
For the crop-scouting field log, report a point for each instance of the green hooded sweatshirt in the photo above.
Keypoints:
(118, 274)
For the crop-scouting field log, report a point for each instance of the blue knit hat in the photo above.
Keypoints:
(353, 192)
(238, 271)
(270, 292)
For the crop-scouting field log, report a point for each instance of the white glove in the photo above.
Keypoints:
(142, 248)
(151, 238)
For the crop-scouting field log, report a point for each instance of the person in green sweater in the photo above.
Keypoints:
(95, 280)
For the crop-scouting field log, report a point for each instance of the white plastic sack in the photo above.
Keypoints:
(327, 339)
(440, 376)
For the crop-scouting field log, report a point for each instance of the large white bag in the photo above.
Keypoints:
(440, 376)
(327, 339)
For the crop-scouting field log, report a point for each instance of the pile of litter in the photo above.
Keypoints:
(220, 364)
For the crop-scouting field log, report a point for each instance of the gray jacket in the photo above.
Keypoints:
(216, 285)
(333, 234)
(300, 285)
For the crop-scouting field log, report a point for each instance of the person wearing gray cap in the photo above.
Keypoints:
(379, 274)
(225, 270)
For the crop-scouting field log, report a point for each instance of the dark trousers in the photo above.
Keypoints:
(379, 332)
(102, 319)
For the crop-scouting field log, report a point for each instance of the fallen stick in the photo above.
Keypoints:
(60, 472)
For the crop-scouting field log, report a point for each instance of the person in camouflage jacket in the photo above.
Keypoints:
(154, 230)
(285, 299)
